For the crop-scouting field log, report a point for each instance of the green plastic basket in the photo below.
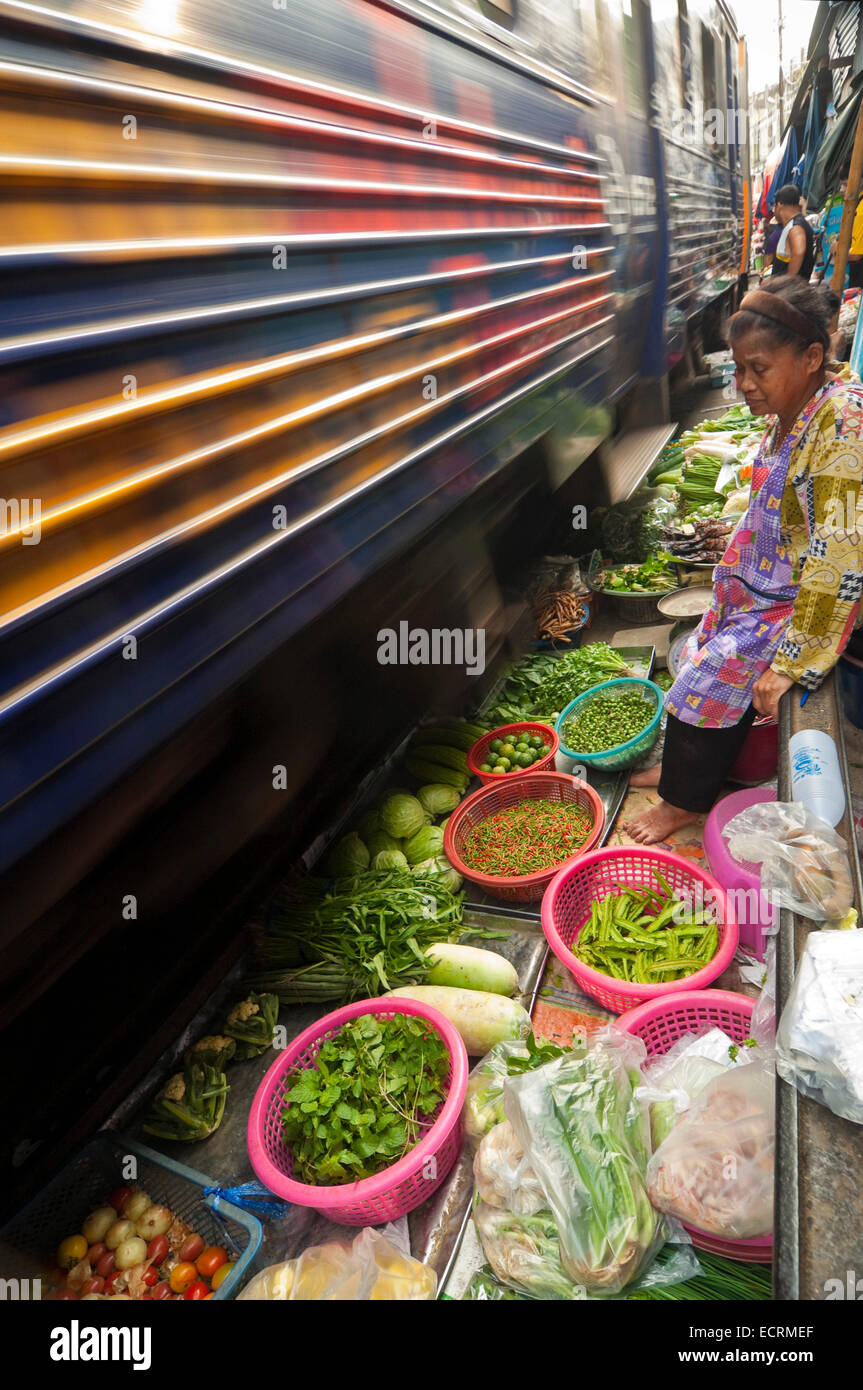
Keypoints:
(625, 754)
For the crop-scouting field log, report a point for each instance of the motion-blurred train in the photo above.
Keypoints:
(313, 316)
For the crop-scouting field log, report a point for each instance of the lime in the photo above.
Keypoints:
(485, 767)
(503, 765)
(508, 750)
(495, 745)
(498, 771)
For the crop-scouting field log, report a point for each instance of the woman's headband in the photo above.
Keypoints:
(770, 306)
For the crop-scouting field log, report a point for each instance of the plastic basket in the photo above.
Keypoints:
(622, 756)
(660, 1024)
(534, 786)
(397, 1189)
(476, 755)
(29, 1242)
(568, 900)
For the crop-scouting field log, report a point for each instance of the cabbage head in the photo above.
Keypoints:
(350, 856)
(390, 860)
(379, 840)
(441, 868)
(425, 844)
(402, 815)
(438, 799)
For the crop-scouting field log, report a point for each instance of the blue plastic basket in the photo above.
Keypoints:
(625, 754)
(29, 1242)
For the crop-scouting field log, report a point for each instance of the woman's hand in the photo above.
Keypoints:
(768, 691)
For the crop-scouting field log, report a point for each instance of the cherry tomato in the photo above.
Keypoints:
(95, 1253)
(190, 1249)
(182, 1275)
(118, 1197)
(211, 1259)
(157, 1250)
(65, 1296)
(197, 1291)
(105, 1265)
(94, 1285)
(160, 1291)
(146, 1298)
(111, 1281)
(150, 1276)
(71, 1251)
(221, 1274)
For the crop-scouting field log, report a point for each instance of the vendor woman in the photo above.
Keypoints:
(787, 591)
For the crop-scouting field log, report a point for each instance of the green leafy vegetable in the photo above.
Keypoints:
(540, 686)
(349, 856)
(190, 1105)
(251, 1023)
(402, 816)
(374, 1090)
(367, 936)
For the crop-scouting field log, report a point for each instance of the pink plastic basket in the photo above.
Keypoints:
(399, 1188)
(567, 903)
(660, 1024)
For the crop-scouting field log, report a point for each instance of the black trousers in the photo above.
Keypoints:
(696, 762)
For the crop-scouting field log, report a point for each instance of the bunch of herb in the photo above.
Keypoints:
(372, 1093)
(366, 937)
(541, 686)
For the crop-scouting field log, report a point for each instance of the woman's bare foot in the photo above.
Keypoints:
(648, 778)
(658, 823)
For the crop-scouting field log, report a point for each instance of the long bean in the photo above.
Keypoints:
(633, 936)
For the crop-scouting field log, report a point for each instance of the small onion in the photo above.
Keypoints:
(135, 1204)
(131, 1252)
(97, 1224)
(116, 1234)
(154, 1222)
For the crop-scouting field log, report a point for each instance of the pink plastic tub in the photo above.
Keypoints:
(567, 903)
(399, 1188)
(660, 1024)
(742, 881)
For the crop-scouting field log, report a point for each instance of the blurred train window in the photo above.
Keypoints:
(708, 69)
(593, 19)
(685, 54)
(501, 11)
(634, 34)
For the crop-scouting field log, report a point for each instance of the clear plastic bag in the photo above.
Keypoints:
(483, 1102)
(674, 1080)
(819, 1042)
(587, 1140)
(370, 1269)
(804, 863)
(503, 1175)
(524, 1255)
(715, 1169)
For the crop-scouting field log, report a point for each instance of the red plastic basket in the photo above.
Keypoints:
(534, 786)
(399, 1188)
(477, 754)
(660, 1024)
(567, 903)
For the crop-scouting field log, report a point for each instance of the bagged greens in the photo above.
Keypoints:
(587, 1139)
(503, 1175)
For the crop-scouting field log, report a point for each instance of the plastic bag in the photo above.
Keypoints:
(524, 1255)
(503, 1175)
(819, 1042)
(483, 1102)
(370, 1269)
(587, 1139)
(674, 1080)
(715, 1169)
(804, 863)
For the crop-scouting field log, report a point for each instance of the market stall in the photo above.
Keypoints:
(477, 1017)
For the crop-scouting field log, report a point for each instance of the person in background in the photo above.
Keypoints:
(795, 252)
(855, 251)
(772, 233)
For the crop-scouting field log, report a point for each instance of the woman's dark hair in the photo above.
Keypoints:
(816, 302)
